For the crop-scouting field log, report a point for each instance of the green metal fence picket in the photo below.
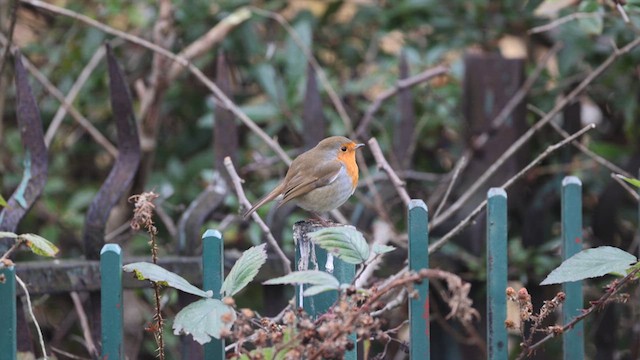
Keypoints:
(418, 229)
(8, 320)
(212, 276)
(111, 300)
(573, 340)
(496, 274)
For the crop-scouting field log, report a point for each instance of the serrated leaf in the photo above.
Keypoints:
(244, 270)
(312, 277)
(382, 249)
(158, 274)
(345, 242)
(591, 263)
(204, 319)
(7, 234)
(632, 181)
(39, 245)
(318, 289)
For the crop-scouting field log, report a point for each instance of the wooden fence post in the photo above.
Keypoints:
(111, 302)
(344, 272)
(212, 276)
(497, 274)
(418, 219)
(573, 340)
(8, 319)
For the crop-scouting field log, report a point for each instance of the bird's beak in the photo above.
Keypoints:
(359, 146)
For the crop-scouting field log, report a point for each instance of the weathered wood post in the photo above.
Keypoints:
(312, 257)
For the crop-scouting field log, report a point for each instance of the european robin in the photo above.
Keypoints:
(320, 179)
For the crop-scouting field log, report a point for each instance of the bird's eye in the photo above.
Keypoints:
(344, 148)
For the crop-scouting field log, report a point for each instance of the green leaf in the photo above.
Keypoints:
(345, 242)
(244, 270)
(39, 245)
(3, 202)
(7, 234)
(591, 263)
(204, 319)
(632, 181)
(317, 289)
(313, 277)
(158, 274)
(382, 249)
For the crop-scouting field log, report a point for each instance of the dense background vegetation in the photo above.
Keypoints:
(358, 45)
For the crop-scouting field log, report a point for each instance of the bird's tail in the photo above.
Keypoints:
(270, 196)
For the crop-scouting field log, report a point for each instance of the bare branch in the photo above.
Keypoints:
(73, 92)
(597, 158)
(400, 85)
(242, 199)
(84, 324)
(467, 220)
(225, 101)
(533, 129)
(77, 116)
(563, 20)
(456, 172)
(384, 165)
(335, 99)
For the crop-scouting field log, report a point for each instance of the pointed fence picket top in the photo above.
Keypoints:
(212, 277)
(111, 302)
(35, 160)
(418, 228)
(125, 167)
(497, 274)
(572, 340)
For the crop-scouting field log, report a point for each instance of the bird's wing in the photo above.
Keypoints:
(301, 184)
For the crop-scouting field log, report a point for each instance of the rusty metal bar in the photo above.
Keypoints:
(35, 156)
(122, 173)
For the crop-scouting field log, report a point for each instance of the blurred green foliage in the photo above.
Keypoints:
(358, 44)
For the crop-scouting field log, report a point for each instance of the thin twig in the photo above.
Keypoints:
(13, 13)
(68, 354)
(482, 139)
(622, 12)
(467, 220)
(13, 247)
(562, 20)
(631, 191)
(322, 76)
(84, 324)
(33, 316)
(219, 94)
(597, 158)
(215, 35)
(77, 116)
(400, 85)
(383, 164)
(533, 129)
(595, 306)
(456, 172)
(242, 198)
(73, 92)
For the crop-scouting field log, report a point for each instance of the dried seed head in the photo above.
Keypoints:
(229, 301)
(509, 324)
